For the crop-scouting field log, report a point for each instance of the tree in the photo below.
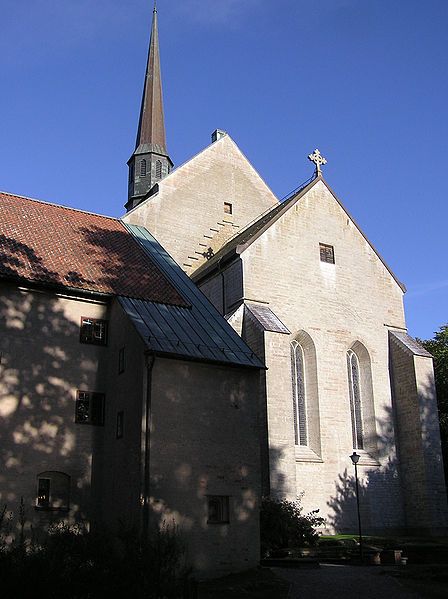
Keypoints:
(438, 347)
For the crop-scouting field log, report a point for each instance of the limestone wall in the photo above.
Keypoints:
(419, 442)
(187, 214)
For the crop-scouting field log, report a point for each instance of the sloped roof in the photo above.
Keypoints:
(409, 344)
(55, 246)
(268, 320)
(243, 239)
(198, 332)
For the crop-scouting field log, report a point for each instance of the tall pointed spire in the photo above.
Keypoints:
(150, 161)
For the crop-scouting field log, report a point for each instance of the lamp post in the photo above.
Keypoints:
(355, 459)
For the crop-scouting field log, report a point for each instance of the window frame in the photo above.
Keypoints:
(50, 476)
(91, 397)
(92, 338)
(119, 433)
(326, 253)
(222, 502)
(228, 208)
(301, 436)
(355, 394)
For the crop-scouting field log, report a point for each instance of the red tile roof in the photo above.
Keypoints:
(53, 245)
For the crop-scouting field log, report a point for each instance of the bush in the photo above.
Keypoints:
(74, 563)
(283, 525)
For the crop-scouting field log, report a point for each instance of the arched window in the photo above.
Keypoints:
(158, 169)
(354, 384)
(143, 168)
(299, 393)
(53, 490)
(362, 405)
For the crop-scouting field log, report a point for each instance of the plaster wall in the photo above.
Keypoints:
(205, 441)
(43, 364)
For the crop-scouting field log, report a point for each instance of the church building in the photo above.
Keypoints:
(303, 286)
(156, 370)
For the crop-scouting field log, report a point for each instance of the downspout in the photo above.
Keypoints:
(150, 359)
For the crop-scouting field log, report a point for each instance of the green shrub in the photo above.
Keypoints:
(284, 525)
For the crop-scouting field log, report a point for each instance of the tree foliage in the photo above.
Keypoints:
(438, 347)
(284, 525)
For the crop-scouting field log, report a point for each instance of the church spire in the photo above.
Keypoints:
(150, 161)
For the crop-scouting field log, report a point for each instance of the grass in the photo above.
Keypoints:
(259, 583)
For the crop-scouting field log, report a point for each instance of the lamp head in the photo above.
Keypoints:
(355, 458)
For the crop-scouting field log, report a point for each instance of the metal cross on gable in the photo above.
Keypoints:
(318, 160)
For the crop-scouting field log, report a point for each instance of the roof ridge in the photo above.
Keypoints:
(16, 195)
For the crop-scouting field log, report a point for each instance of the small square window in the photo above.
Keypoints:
(228, 208)
(218, 509)
(326, 253)
(89, 408)
(120, 424)
(93, 331)
(121, 360)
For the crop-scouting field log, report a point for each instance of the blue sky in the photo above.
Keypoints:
(365, 81)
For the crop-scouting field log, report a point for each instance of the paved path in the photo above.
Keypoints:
(343, 582)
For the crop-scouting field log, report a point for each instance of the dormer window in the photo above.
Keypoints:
(143, 168)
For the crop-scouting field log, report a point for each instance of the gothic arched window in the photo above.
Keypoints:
(159, 169)
(354, 385)
(143, 168)
(299, 394)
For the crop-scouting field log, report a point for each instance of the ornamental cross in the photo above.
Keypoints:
(318, 160)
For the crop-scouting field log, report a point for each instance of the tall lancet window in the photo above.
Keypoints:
(354, 384)
(143, 168)
(299, 393)
(158, 169)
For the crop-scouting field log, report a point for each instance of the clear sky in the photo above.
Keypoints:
(365, 81)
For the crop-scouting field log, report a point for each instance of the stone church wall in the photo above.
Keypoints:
(43, 364)
(204, 441)
(187, 213)
(418, 432)
(337, 305)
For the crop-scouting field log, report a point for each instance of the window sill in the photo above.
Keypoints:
(305, 454)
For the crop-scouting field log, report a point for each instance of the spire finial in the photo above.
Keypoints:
(155, 6)
(318, 160)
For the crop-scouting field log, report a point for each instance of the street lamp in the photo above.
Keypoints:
(355, 459)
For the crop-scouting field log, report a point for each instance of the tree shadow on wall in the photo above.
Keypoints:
(387, 492)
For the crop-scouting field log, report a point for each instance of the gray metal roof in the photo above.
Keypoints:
(197, 332)
(267, 319)
(409, 343)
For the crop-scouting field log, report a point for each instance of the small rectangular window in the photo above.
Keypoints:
(121, 360)
(326, 253)
(93, 330)
(120, 424)
(228, 208)
(89, 408)
(218, 509)
(43, 492)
